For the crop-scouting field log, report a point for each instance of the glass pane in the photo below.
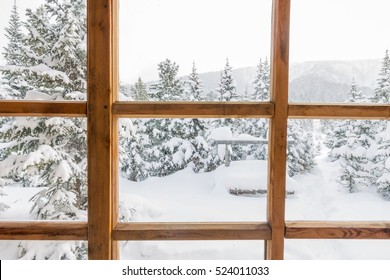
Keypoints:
(43, 169)
(193, 169)
(195, 50)
(43, 47)
(336, 46)
(337, 249)
(43, 250)
(192, 250)
(348, 177)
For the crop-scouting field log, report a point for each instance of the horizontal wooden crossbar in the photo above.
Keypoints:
(338, 230)
(43, 230)
(192, 231)
(26, 108)
(193, 109)
(339, 111)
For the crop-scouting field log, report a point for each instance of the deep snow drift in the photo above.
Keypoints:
(186, 196)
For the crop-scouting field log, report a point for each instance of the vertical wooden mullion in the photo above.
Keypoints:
(274, 248)
(115, 254)
(99, 111)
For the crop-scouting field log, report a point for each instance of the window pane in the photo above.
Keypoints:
(43, 50)
(195, 50)
(43, 169)
(192, 250)
(337, 249)
(43, 250)
(343, 170)
(338, 47)
(193, 169)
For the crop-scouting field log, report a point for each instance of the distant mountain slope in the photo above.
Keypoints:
(314, 81)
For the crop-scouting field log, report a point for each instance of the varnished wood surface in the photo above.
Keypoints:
(192, 231)
(339, 111)
(115, 250)
(25, 108)
(100, 99)
(338, 230)
(43, 230)
(274, 248)
(194, 109)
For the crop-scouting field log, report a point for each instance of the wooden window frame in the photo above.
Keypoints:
(102, 110)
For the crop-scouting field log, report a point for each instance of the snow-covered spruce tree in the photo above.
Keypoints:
(227, 89)
(169, 87)
(382, 91)
(380, 150)
(158, 131)
(257, 127)
(194, 86)
(49, 153)
(352, 151)
(59, 27)
(13, 55)
(262, 82)
(139, 91)
(381, 162)
(173, 144)
(300, 150)
(132, 165)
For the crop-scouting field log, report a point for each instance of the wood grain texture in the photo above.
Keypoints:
(43, 230)
(194, 109)
(274, 248)
(192, 231)
(340, 111)
(115, 250)
(26, 108)
(338, 230)
(100, 99)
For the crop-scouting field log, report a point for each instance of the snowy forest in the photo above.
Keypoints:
(46, 60)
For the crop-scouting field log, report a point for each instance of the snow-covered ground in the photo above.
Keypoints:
(190, 197)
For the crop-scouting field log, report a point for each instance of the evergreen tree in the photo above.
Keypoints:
(353, 139)
(262, 82)
(132, 165)
(13, 55)
(381, 161)
(169, 87)
(138, 91)
(382, 91)
(227, 90)
(194, 84)
(380, 149)
(49, 153)
(300, 150)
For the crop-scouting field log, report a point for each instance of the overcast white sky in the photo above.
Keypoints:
(208, 31)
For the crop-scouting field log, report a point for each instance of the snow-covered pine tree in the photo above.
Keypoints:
(68, 53)
(257, 127)
(300, 151)
(382, 91)
(380, 149)
(13, 56)
(157, 131)
(227, 89)
(139, 91)
(381, 161)
(132, 165)
(169, 87)
(50, 152)
(262, 82)
(352, 149)
(194, 86)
